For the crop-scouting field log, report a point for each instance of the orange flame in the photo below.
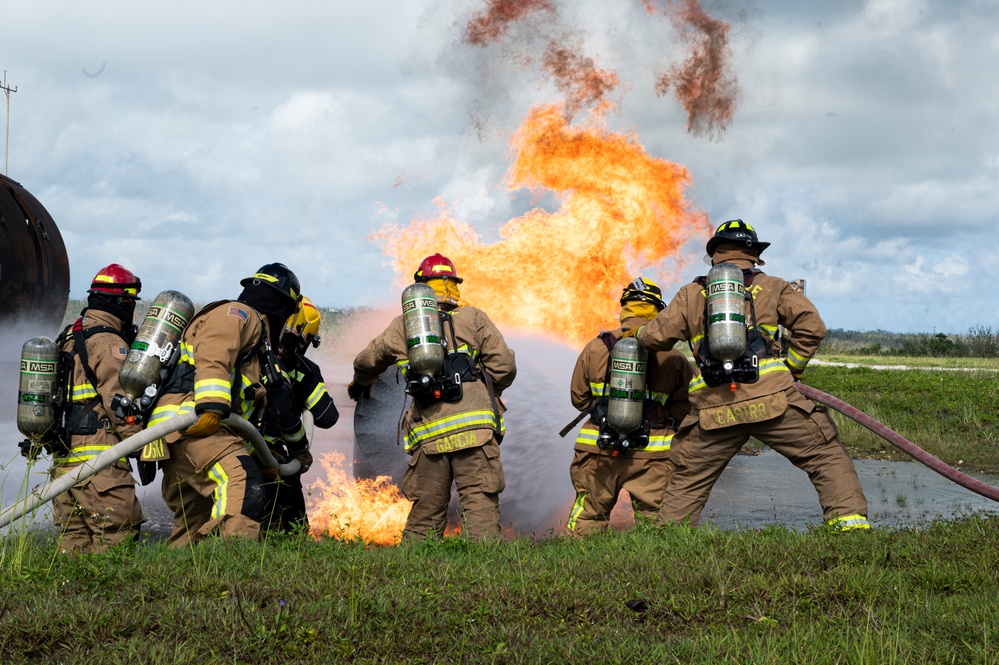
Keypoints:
(622, 212)
(373, 510)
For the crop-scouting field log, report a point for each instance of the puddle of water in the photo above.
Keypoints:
(758, 490)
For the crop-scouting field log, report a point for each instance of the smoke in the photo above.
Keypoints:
(702, 83)
(540, 34)
(581, 82)
(492, 22)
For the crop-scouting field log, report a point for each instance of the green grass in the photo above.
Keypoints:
(951, 415)
(704, 596)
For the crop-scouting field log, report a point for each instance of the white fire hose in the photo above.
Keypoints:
(136, 442)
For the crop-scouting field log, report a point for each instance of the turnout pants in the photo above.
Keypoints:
(804, 434)
(98, 513)
(478, 475)
(211, 483)
(598, 480)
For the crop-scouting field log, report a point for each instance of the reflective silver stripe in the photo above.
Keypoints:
(445, 426)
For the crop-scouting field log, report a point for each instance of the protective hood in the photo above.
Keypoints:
(448, 292)
(638, 309)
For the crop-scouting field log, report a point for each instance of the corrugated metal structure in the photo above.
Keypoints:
(34, 266)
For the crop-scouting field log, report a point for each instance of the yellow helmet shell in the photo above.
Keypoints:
(305, 322)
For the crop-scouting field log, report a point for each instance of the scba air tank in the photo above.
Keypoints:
(626, 390)
(156, 342)
(421, 320)
(726, 314)
(36, 393)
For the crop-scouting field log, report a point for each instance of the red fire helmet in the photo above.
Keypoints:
(436, 266)
(116, 280)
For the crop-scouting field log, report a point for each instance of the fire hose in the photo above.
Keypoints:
(136, 442)
(892, 437)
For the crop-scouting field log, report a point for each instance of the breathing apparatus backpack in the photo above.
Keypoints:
(730, 351)
(623, 411)
(152, 355)
(54, 428)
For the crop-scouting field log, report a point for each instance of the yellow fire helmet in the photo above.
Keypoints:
(305, 323)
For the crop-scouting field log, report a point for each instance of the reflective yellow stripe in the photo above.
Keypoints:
(82, 392)
(164, 411)
(577, 508)
(598, 389)
(657, 443)
(767, 366)
(587, 437)
(796, 360)
(83, 454)
(445, 426)
(660, 398)
(850, 522)
(221, 492)
(771, 365)
(316, 395)
(768, 329)
(215, 390)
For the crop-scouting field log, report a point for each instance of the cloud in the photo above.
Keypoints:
(220, 137)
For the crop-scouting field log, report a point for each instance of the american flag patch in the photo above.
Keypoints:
(236, 311)
(119, 352)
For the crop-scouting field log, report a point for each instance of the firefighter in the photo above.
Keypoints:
(754, 394)
(601, 467)
(453, 433)
(210, 480)
(286, 509)
(103, 510)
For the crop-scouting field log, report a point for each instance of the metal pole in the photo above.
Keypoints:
(6, 141)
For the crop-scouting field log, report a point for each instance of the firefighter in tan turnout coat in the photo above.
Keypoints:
(449, 441)
(210, 481)
(600, 468)
(725, 412)
(103, 510)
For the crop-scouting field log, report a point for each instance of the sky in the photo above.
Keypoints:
(194, 142)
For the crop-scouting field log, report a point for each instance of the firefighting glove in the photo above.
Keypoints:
(282, 406)
(208, 423)
(355, 391)
(631, 332)
(303, 456)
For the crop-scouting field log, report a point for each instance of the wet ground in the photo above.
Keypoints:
(754, 490)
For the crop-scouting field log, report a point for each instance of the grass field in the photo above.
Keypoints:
(643, 596)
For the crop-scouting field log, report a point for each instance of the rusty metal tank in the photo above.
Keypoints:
(34, 266)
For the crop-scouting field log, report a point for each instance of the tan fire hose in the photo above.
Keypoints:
(136, 442)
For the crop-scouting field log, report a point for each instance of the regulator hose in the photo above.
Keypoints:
(134, 443)
(899, 441)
